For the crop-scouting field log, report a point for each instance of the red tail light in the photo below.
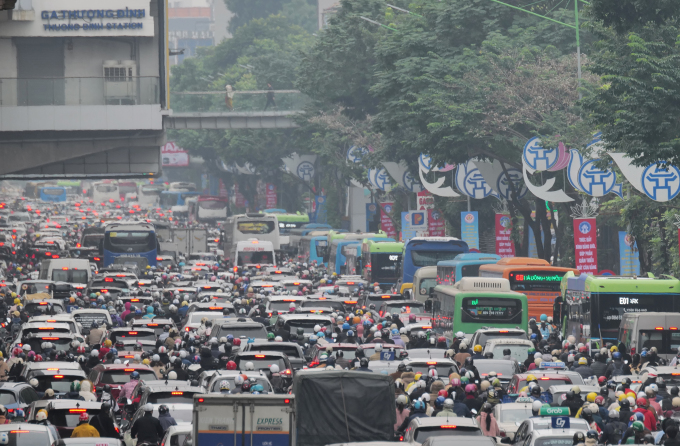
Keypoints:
(77, 410)
(259, 356)
(129, 370)
(177, 393)
(58, 376)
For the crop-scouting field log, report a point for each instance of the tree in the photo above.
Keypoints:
(300, 12)
(637, 55)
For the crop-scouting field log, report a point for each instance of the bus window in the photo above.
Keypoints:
(470, 270)
(255, 227)
(384, 266)
(71, 276)
(431, 258)
(651, 338)
(490, 309)
(130, 241)
(245, 257)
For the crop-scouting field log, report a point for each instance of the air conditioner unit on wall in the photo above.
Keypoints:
(120, 82)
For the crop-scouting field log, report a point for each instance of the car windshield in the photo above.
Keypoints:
(546, 383)
(58, 383)
(553, 441)
(122, 376)
(504, 369)
(260, 364)
(262, 381)
(518, 352)
(287, 350)
(483, 337)
(132, 334)
(242, 332)
(514, 415)
(68, 417)
(280, 305)
(443, 369)
(174, 397)
(307, 325)
(27, 438)
(324, 304)
(33, 308)
(413, 307)
(424, 433)
(7, 398)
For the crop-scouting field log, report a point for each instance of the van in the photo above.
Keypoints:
(660, 330)
(424, 279)
(66, 270)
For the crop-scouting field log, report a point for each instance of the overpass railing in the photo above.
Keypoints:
(242, 101)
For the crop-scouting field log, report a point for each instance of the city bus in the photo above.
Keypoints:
(594, 306)
(135, 242)
(295, 235)
(312, 246)
(289, 221)
(72, 187)
(334, 235)
(463, 265)
(242, 227)
(125, 188)
(32, 188)
(182, 186)
(149, 194)
(208, 209)
(477, 302)
(176, 200)
(54, 194)
(104, 192)
(428, 251)
(380, 261)
(534, 277)
(336, 257)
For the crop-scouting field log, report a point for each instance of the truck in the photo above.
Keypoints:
(327, 406)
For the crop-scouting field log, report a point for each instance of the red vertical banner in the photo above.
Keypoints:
(425, 200)
(239, 199)
(386, 223)
(504, 246)
(585, 244)
(271, 196)
(436, 225)
(223, 190)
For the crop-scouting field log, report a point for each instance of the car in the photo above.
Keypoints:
(504, 368)
(349, 351)
(238, 329)
(57, 380)
(293, 284)
(264, 360)
(64, 414)
(59, 341)
(27, 434)
(127, 333)
(546, 378)
(670, 375)
(257, 376)
(482, 335)
(137, 301)
(176, 435)
(48, 365)
(420, 429)
(292, 350)
(182, 413)
(45, 307)
(219, 307)
(193, 321)
(17, 395)
(116, 375)
(444, 366)
(377, 299)
(557, 394)
(291, 322)
(128, 348)
(157, 324)
(518, 348)
(510, 415)
(68, 318)
(282, 303)
(539, 432)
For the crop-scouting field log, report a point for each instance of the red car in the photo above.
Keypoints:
(117, 375)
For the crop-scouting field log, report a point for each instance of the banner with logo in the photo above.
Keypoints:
(425, 200)
(469, 229)
(413, 224)
(585, 244)
(270, 195)
(628, 254)
(504, 246)
(174, 156)
(321, 212)
(386, 223)
(436, 224)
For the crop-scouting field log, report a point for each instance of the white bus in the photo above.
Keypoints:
(149, 194)
(254, 252)
(242, 227)
(105, 192)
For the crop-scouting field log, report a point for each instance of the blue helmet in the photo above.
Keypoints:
(395, 331)
(439, 402)
(345, 326)
(134, 375)
(643, 354)
(533, 336)
(544, 318)
(320, 335)
(616, 355)
(350, 333)
(419, 405)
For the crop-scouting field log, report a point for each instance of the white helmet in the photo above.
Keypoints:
(378, 347)
(250, 366)
(536, 406)
(224, 385)
(460, 335)
(402, 399)
(280, 339)
(317, 328)
(155, 358)
(172, 375)
(274, 368)
(448, 403)
(238, 380)
(94, 353)
(148, 407)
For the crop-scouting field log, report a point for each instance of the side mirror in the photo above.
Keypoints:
(428, 306)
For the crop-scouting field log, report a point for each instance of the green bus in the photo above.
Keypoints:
(288, 221)
(477, 302)
(381, 261)
(593, 306)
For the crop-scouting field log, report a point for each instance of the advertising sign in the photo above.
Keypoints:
(174, 156)
(585, 244)
(386, 223)
(436, 225)
(425, 200)
(321, 211)
(628, 254)
(271, 196)
(504, 246)
(469, 229)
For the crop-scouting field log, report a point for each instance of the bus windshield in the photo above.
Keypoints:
(385, 266)
(431, 258)
(492, 309)
(255, 227)
(612, 306)
(169, 199)
(105, 188)
(245, 257)
(212, 204)
(130, 242)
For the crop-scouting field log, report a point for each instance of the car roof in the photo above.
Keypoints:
(24, 427)
(65, 365)
(72, 404)
(181, 386)
(10, 385)
(426, 360)
(568, 387)
(543, 425)
(460, 439)
(123, 366)
(259, 342)
(509, 341)
(303, 317)
(439, 421)
(268, 353)
(488, 329)
(67, 372)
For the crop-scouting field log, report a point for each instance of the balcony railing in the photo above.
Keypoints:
(24, 92)
(243, 101)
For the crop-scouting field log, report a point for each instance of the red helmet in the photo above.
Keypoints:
(602, 380)
(599, 400)
(80, 350)
(441, 339)
(237, 342)
(443, 393)
(582, 349)
(38, 358)
(641, 402)
(231, 365)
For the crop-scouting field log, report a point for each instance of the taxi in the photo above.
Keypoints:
(539, 431)
(557, 394)
(65, 414)
(420, 429)
(545, 377)
(484, 334)
(443, 366)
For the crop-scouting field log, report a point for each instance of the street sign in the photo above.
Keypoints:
(560, 422)
(554, 411)
(387, 356)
